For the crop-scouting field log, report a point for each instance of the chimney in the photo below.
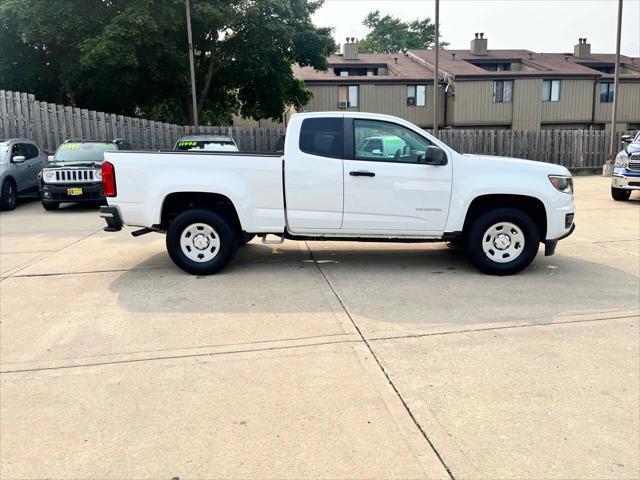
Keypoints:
(582, 49)
(350, 51)
(479, 45)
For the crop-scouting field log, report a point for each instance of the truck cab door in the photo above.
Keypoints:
(314, 175)
(396, 193)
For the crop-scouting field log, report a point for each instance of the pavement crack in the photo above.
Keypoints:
(377, 360)
(505, 327)
(53, 252)
(177, 357)
(115, 270)
(177, 349)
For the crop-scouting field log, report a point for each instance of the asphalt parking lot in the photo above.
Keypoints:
(318, 360)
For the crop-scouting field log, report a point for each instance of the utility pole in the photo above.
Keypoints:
(193, 72)
(436, 74)
(616, 78)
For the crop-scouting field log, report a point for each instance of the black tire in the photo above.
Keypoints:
(245, 238)
(50, 205)
(223, 231)
(619, 194)
(522, 258)
(8, 195)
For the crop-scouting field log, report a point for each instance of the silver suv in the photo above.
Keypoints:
(20, 162)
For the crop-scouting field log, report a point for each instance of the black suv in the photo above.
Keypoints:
(74, 173)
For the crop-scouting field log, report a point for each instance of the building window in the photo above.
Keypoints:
(416, 95)
(344, 73)
(322, 137)
(347, 96)
(606, 92)
(551, 90)
(502, 91)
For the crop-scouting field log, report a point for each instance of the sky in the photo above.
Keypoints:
(538, 25)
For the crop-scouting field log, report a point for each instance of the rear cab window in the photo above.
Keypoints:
(322, 137)
(206, 146)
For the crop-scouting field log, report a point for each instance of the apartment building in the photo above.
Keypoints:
(395, 84)
(483, 88)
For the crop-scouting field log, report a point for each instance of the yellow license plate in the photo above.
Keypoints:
(74, 191)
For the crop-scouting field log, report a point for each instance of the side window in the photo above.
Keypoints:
(17, 151)
(30, 151)
(393, 143)
(322, 137)
(502, 91)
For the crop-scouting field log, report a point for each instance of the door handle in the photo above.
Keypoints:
(362, 173)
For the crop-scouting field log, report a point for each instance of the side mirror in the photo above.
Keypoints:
(377, 152)
(50, 158)
(18, 159)
(626, 139)
(435, 156)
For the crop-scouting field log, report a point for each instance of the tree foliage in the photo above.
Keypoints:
(392, 35)
(131, 57)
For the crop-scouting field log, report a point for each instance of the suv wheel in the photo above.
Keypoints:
(201, 242)
(8, 195)
(503, 241)
(620, 194)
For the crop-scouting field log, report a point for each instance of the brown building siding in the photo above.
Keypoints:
(474, 105)
(389, 99)
(575, 105)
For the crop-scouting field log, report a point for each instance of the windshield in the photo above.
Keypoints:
(83, 152)
(207, 145)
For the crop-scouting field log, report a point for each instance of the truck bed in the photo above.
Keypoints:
(253, 182)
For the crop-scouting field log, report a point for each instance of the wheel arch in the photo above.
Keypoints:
(175, 203)
(532, 206)
(10, 178)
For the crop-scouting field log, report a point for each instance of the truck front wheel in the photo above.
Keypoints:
(201, 242)
(620, 194)
(503, 241)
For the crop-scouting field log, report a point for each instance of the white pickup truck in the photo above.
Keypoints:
(338, 181)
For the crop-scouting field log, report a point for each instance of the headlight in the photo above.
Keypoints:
(622, 161)
(48, 175)
(98, 175)
(562, 184)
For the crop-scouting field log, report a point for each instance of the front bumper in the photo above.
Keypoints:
(92, 192)
(625, 179)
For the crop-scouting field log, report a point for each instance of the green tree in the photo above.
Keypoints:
(130, 56)
(392, 35)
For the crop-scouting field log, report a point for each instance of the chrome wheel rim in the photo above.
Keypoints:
(503, 242)
(200, 242)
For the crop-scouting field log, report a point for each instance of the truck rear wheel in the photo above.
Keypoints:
(503, 241)
(201, 242)
(620, 194)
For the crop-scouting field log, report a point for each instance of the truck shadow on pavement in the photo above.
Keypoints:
(396, 284)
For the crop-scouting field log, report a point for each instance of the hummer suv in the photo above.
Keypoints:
(74, 173)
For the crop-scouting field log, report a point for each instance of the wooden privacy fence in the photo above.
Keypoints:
(48, 124)
(21, 115)
(575, 149)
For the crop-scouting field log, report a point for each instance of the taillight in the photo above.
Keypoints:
(109, 179)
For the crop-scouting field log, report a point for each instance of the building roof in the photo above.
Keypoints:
(401, 69)
(462, 64)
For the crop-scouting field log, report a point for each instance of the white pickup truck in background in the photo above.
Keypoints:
(343, 176)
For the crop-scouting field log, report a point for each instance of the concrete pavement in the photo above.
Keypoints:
(318, 360)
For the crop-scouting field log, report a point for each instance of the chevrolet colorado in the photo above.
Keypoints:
(326, 186)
